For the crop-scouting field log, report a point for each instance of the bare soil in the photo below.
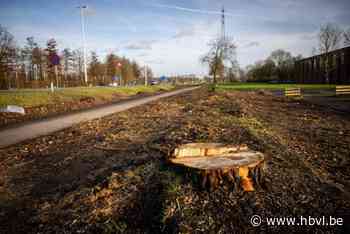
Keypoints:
(111, 175)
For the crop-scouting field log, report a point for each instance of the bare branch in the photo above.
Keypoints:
(7, 49)
(329, 37)
(346, 35)
(222, 50)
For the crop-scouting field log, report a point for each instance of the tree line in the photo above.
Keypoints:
(279, 65)
(32, 66)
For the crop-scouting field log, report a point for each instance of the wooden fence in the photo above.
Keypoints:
(292, 92)
(332, 68)
(342, 90)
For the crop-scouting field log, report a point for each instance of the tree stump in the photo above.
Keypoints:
(214, 163)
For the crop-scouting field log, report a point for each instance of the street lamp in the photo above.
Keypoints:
(146, 78)
(82, 7)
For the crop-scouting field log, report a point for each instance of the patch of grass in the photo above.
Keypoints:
(173, 186)
(250, 121)
(26, 99)
(268, 86)
(260, 131)
(172, 183)
(211, 87)
(112, 226)
(252, 124)
(30, 98)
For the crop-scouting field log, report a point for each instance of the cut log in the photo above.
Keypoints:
(215, 163)
(206, 149)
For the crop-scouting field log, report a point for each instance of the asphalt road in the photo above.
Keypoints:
(43, 127)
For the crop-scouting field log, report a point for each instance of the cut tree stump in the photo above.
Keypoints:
(215, 162)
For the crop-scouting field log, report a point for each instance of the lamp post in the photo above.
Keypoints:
(146, 78)
(82, 7)
(119, 66)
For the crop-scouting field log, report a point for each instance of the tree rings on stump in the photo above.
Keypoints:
(215, 162)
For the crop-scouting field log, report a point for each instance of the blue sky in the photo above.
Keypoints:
(170, 36)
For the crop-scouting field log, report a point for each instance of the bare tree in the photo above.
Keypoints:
(329, 37)
(7, 54)
(137, 70)
(28, 53)
(283, 62)
(77, 55)
(67, 62)
(6, 43)
(347, 37)
(222, 50)
(94, 68)
(20, 66)
(280, 57)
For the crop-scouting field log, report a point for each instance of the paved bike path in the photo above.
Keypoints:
(43, 127)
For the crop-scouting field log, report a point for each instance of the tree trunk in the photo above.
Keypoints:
(213, 164)
(214, 82)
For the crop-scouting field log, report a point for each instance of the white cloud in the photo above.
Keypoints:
(251, 44)
(193, 10)
(154, 61)
(185, 32)
(140, 45)
(180, 54)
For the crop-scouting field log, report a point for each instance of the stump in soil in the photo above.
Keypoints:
(215, 163)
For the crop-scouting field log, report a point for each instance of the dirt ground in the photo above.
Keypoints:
(339, 103)
(324, 97)
(110, 175)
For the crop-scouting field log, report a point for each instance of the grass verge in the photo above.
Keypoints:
(31, 98)
(257, 86)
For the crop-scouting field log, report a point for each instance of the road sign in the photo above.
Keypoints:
(163, 78)
(54, 59)
(115, 78)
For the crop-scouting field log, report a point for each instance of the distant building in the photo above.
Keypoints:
(332, 68)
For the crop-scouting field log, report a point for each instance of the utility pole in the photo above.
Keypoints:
(223, 24)
(84, 43)
(146, 78)
(56, 75)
